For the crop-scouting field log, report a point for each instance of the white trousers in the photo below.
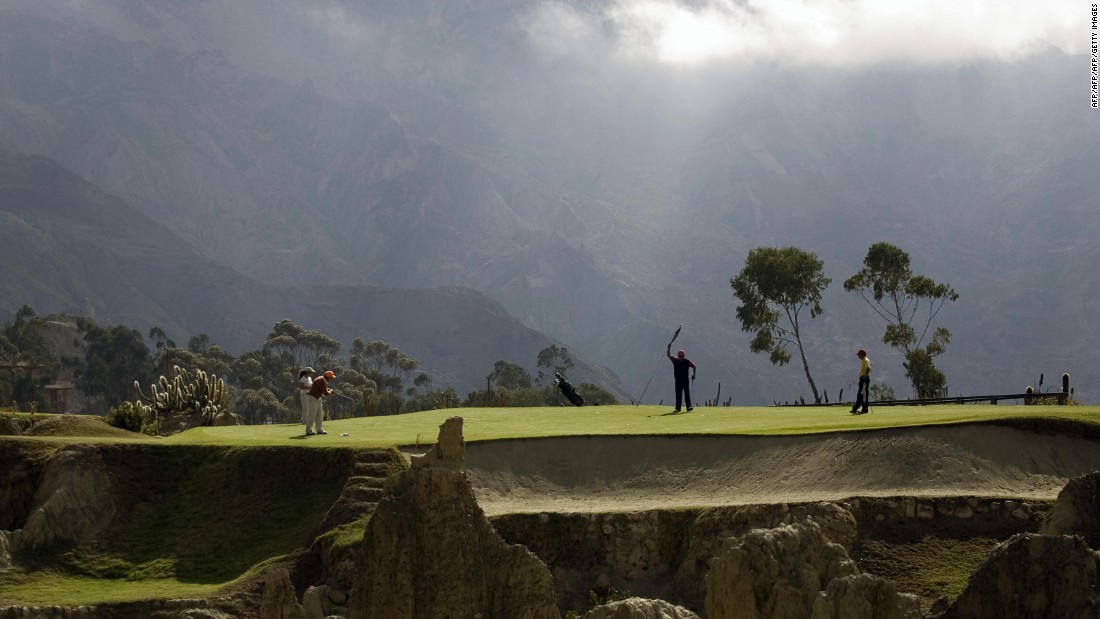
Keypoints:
(316, 415)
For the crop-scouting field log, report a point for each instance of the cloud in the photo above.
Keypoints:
(337, 23)
(809, 33)
(561, 31)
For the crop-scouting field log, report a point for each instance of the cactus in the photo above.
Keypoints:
(186, 392)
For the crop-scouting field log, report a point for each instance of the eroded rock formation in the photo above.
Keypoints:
(794, 571)
(1031, 576)
(72, 504)
(863, 596)
(774, 573)
(278, 601)
(429, 550)
(1077, 510)
(713, 527)
(638, 608)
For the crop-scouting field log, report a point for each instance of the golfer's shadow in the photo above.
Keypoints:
(668, 413)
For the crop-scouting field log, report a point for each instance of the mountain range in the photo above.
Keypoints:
(220, 165)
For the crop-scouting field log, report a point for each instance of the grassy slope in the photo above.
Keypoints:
(933, 559)
(189, 521)
(220, 500)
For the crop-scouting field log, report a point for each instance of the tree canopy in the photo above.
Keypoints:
(509, 375)
(901, 298)
(114, 358)
(775, 287)
(553, 359)
(23, 343)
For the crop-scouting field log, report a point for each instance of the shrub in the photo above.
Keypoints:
(594, 394)
(384, 403)
(882, 393)
(261, 406)
(126, 416)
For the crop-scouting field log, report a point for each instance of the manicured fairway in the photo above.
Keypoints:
(486, 424)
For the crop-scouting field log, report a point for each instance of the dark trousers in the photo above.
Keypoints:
(683, 391)
(863, 394)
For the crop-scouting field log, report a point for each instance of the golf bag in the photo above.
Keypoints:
(567, 390)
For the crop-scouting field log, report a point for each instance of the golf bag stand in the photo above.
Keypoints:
(567, 390)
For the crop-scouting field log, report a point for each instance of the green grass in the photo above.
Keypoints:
(58, 589)
(189, 520)
(487, 424)
(930, 567)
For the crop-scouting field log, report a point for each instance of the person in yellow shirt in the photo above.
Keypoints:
(863, 393)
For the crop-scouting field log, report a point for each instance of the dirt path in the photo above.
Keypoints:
(598, 474)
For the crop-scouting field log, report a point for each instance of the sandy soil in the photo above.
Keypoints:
(600, 474)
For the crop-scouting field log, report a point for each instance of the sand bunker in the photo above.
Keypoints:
(601, 474)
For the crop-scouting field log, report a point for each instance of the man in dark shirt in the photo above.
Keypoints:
(680, 367)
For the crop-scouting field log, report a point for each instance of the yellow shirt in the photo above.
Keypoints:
(865, 367)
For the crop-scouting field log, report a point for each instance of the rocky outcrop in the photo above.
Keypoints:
(324, 601)
(9, 426)
(1033, 576)
(638, 608)
(204, 613)
(794, 571)
(946, 509)
(1077, 510)
(157, 609)
(715, 526)
(429, 550)
(863, 596)
(631, 551)
(72, 504)
(660, 554)
(774, 573)
(5, 550)
(278, 601)
(21, 473)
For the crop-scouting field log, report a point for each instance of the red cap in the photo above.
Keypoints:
(861, 352)
(329, 374)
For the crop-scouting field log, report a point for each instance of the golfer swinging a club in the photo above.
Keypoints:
(680, 366)
(317, 390)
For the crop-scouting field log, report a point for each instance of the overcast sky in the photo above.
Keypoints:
(807, 33)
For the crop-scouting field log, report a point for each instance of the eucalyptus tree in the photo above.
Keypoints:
(775, 287)
(214, 361)
(297, 345)
(199, 344)
(422, 381)
(373, 357)
(113, 359)
(553, 359)
(161, 340)
(370, 355)
(508, 375)
(887, 283)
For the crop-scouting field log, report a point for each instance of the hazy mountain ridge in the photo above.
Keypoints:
(430, 144)
(74, 249)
